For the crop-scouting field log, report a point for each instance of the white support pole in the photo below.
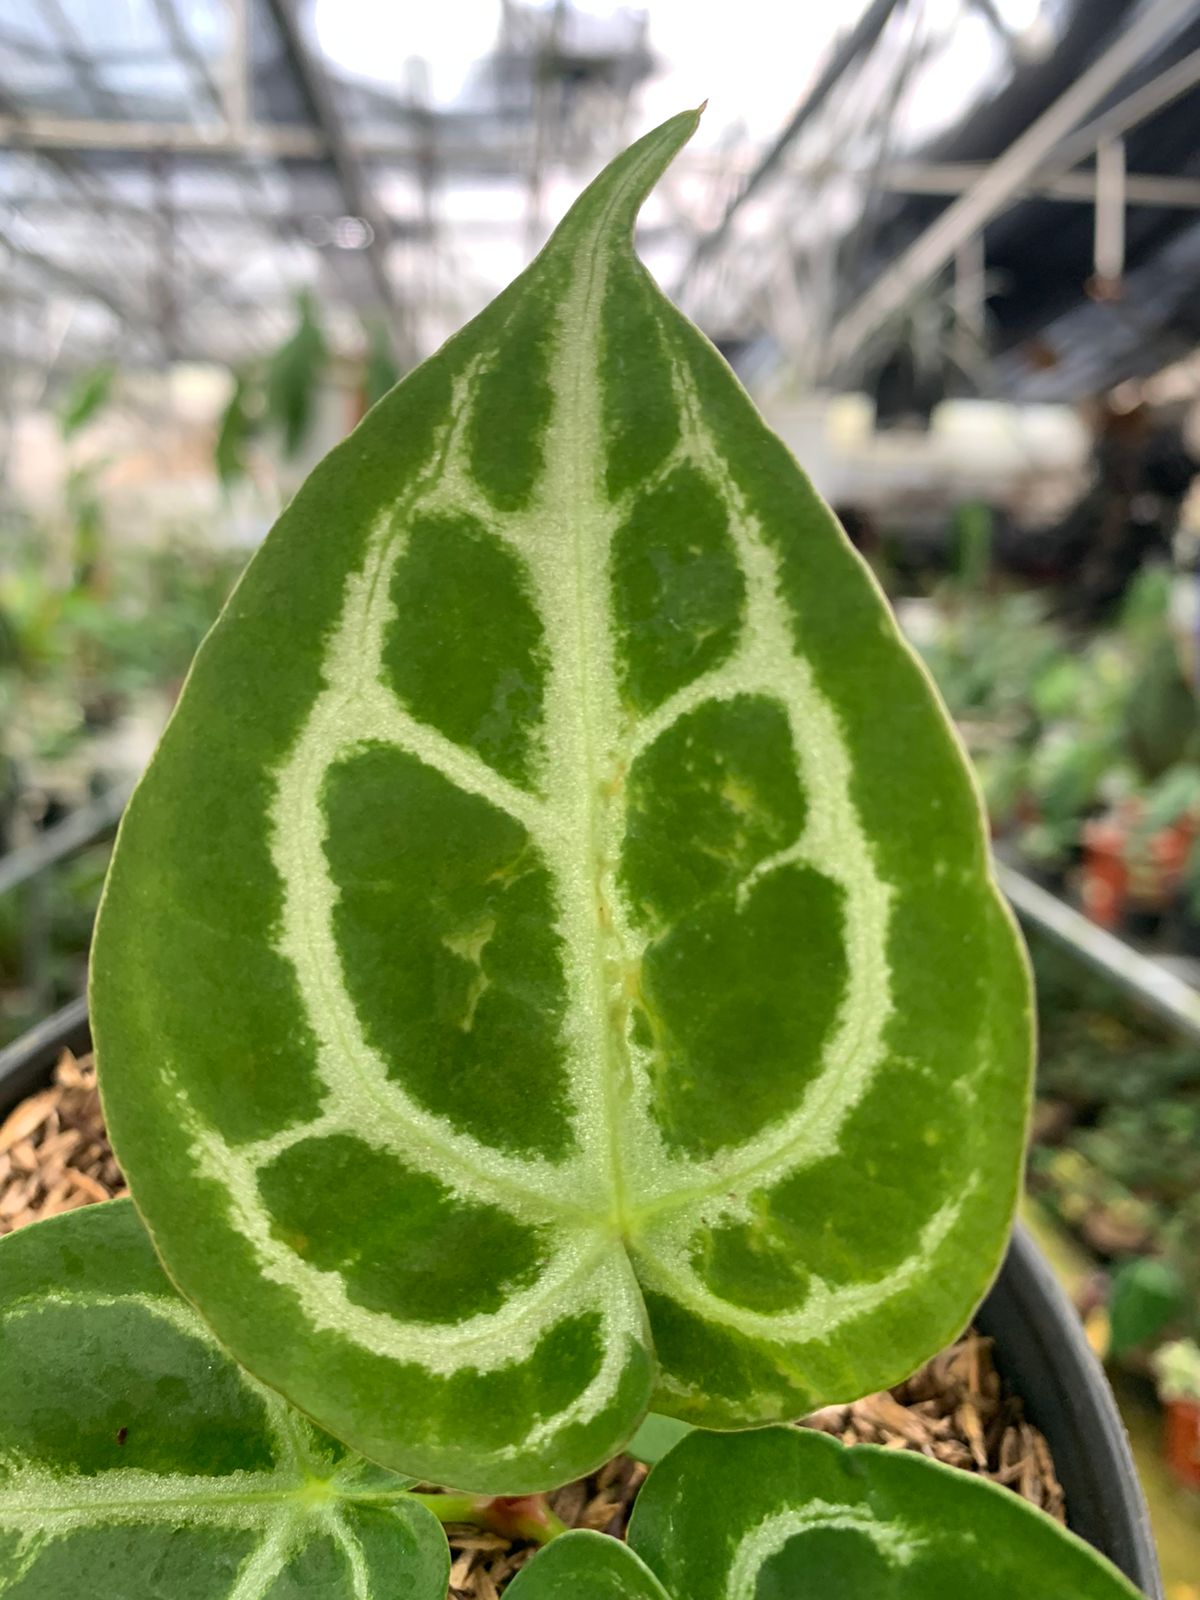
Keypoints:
(969, 307)
(1110, 212)
(969, 268)
(236, 87)
(950, 178)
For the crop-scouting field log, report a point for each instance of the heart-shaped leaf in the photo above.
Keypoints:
(137, 1459)
(790, 1514)
(552, 962)
(586, 1566)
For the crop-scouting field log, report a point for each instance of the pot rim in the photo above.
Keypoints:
(1042, 1351)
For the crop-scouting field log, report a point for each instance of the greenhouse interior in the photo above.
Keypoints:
(560, 997)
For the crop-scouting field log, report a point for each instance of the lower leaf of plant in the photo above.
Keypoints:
(136, 1458)
(790, 1514)
(586, 1566)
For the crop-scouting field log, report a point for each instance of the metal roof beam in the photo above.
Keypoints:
(287, 226)
(1003, 180)
(73, 50)
(42, 133)
(958, 177)
(340, 147)
(497, 157)
(1135, 108)
(182, 44)
(861, 38)
(76, 283)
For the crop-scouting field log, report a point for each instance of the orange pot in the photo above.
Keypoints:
(1182, 1440)
(1105, 873)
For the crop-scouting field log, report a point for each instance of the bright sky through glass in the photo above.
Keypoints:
(752, 86)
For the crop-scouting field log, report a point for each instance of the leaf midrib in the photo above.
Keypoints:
(579, 474)
(299, 1494)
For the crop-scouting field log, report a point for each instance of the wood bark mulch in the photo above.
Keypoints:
(54, 1156)
(54, 1153)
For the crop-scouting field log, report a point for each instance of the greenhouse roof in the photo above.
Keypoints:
(174, 172)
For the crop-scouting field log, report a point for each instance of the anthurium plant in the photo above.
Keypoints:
(550, 970)
(137, 1455)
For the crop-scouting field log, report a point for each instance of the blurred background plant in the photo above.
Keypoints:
(96, 634)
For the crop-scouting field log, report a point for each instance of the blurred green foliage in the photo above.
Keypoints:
(93, 640)
(86, 398)
(84, 644)
(1063, 726)
(293, 375)
(1119, 1156)
(381, 371)
(69, 895)
(275, 399)
(236, 431)
(1148, 1295)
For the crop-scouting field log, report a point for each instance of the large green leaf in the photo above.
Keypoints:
(138, 1462)
(789, 1514)
(552, 961)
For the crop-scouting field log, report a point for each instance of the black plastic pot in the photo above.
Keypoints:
(1185, 934)
(1040, 1351)
(26, 1065)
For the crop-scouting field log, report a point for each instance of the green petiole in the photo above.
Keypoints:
(525, 1516)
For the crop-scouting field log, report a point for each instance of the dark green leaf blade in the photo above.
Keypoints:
(788, 1513)
(552, 963)
(586, 1566)
(134, 1454)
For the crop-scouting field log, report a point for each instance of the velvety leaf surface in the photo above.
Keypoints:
(791, 1514)
(585, 1566)
(138, 1462)
(551, 963)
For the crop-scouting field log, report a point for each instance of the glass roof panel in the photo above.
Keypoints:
(461, 131)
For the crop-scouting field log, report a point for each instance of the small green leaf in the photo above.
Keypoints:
(136, 1458)
(586, 1566)
(551, 966)
(1146, 1296)
(87, 396)
(1161, 718)
(380, 371)
(236, 430)
(789, 1514)
(655, 1437)
(293, 376)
